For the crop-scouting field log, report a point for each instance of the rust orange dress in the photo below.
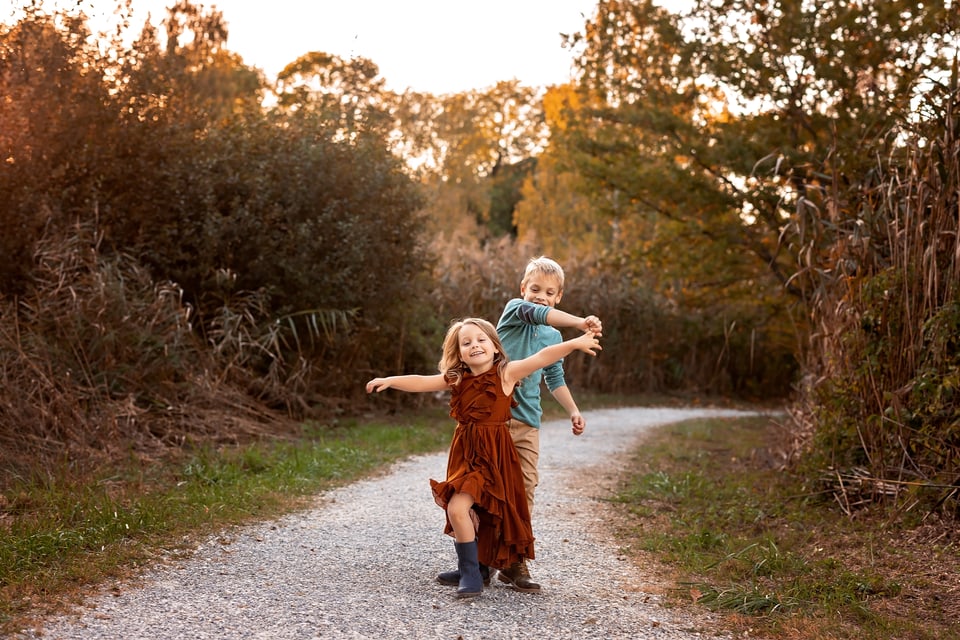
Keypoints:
(483, 463)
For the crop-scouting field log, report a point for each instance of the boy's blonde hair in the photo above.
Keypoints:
(451, 366)
(543, 266)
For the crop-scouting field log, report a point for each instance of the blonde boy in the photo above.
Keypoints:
(528, 324)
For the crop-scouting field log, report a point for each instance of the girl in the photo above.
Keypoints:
(483, 494)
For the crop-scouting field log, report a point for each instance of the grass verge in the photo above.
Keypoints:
(61, 535)
(742, 536)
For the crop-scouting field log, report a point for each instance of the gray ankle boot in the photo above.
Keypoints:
(471, 582)
(452, 578)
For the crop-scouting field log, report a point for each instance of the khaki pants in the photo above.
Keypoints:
(527, 441)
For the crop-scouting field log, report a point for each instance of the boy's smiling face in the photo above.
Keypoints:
(541, 289)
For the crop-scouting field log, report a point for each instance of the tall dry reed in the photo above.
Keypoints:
(883, 378)
(98, 362)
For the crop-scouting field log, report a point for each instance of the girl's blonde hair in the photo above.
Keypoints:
(543, 266)
(451, 366)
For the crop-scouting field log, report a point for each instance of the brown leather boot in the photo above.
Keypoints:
(518, 576)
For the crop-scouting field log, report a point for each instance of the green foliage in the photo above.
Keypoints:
(505, 188)
(750, 601)
(934, 397)
(641, 174)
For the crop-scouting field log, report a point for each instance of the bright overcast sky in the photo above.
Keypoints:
(437, 46)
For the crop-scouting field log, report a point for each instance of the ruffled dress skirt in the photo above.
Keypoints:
(483, 463)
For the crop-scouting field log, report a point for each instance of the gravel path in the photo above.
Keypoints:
(362, 562)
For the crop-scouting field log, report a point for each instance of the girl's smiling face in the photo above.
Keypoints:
(476, 348)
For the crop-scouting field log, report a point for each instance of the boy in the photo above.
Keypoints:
(528, 324)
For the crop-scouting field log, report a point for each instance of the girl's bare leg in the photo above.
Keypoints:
(458, 511)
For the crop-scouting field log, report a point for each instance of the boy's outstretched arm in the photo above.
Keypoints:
(559, 319)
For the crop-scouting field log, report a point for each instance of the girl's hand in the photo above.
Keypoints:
(588, 343)
(592, 323)
(378, 384)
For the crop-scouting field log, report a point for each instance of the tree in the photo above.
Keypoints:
(163, 149)
(553, 214)
(809, 146)
(719, 127)
(190, 74)
(474, 149)
(711, 141)
(348, 94)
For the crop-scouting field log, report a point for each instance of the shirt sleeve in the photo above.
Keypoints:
(519, 313)
(553, 373)
(532, 313)
(509, 317)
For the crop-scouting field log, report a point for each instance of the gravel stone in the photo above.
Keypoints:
(362, 562)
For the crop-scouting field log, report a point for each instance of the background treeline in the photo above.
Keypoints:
(759, 199)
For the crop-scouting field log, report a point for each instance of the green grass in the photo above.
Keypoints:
(62, 534)
(752, 540)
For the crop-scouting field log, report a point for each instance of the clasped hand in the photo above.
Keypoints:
(589, 342)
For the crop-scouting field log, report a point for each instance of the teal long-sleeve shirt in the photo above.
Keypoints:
(523, 331)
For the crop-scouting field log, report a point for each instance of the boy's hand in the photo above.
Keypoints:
(578, 424)
(592, 323)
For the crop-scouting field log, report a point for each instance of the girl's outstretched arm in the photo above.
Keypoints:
(517, 370)
(413, 383)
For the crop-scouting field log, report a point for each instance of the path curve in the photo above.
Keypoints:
(361, 564)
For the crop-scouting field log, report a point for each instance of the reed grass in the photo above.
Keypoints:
(880, 391)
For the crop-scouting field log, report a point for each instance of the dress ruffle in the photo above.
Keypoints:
(483, 463)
